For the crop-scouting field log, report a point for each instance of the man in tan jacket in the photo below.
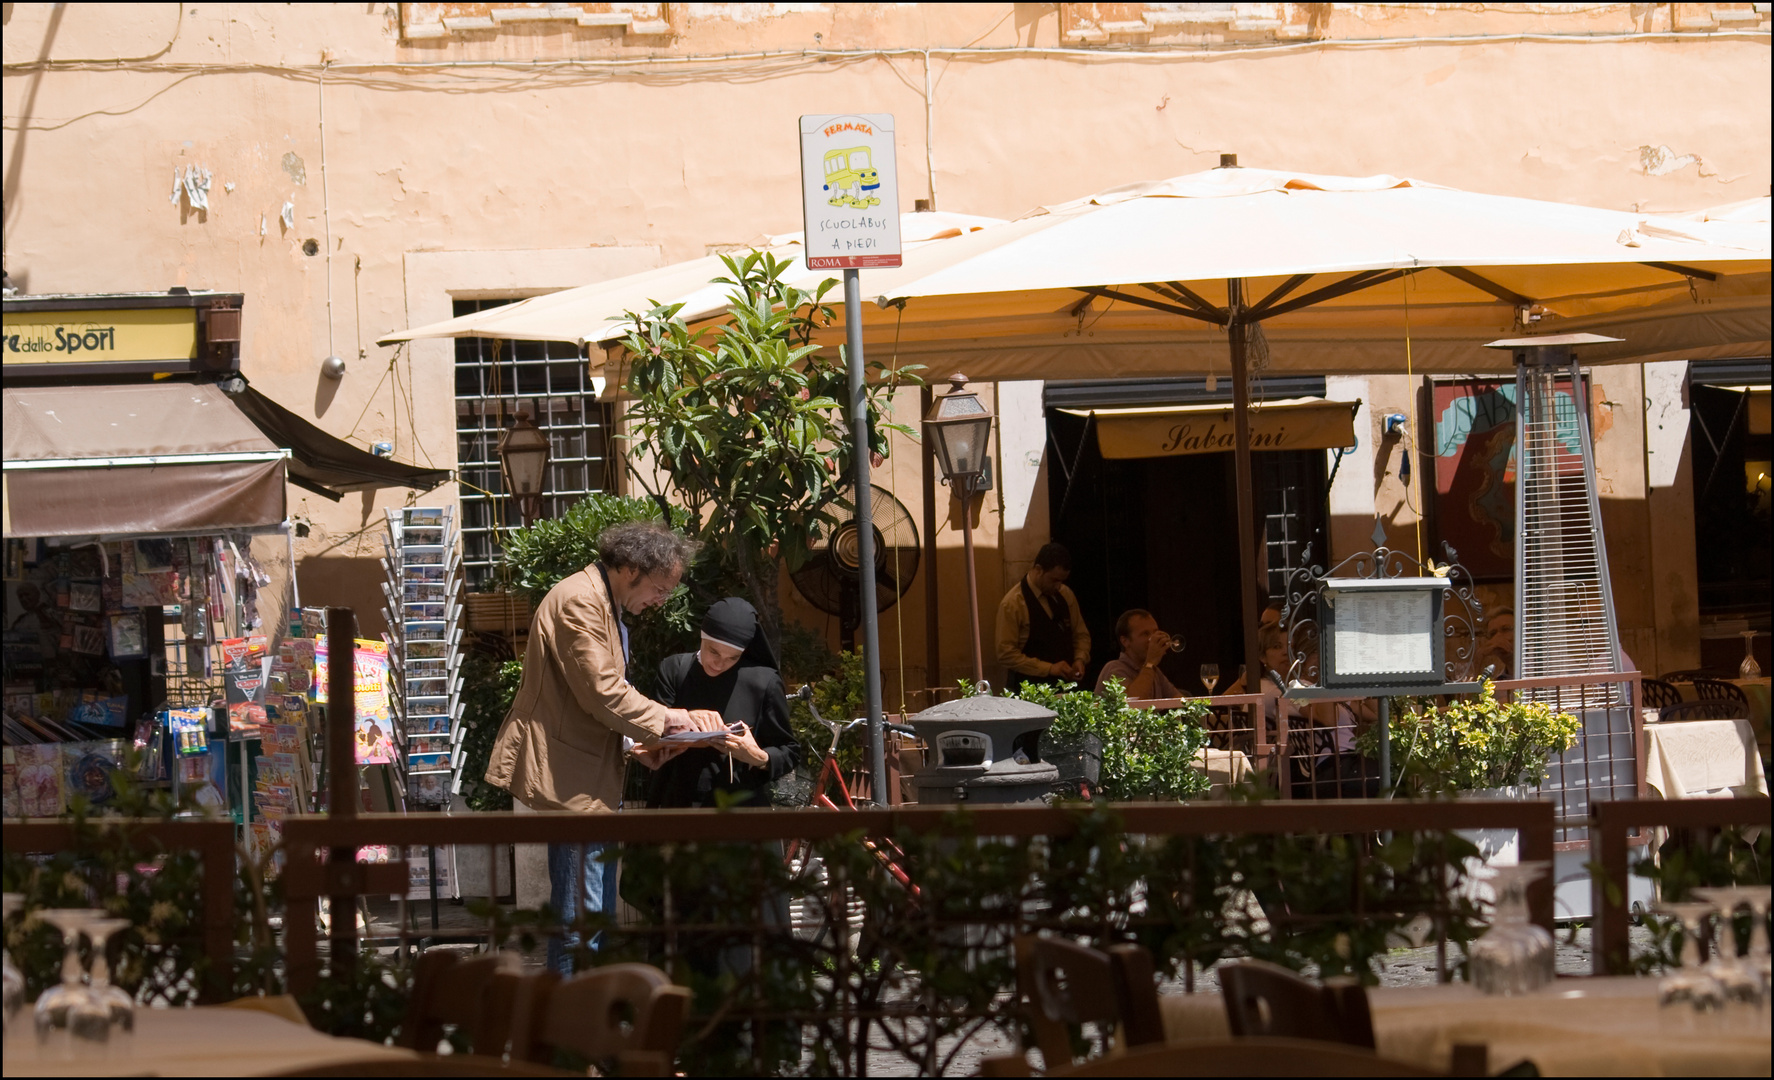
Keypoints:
(560, 747)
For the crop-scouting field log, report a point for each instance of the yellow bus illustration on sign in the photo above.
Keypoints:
(851, 178)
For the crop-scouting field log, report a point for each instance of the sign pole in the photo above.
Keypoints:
(849, 204)
(865, 535)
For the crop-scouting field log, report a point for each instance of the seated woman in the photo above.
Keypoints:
(734, 673)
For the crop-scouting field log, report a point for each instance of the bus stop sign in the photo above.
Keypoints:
(849, 191)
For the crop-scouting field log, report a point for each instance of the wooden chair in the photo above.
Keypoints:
(627, 1013)
(1268, 1001)
(1658, 694)
(1247, 1057)
(1719, 690)
(449, 989)
(1064, 983)
(1710, 709)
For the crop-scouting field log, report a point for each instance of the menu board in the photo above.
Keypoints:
(1384, 633)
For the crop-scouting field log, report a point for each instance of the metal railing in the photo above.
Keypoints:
(1615, 828)
(212, 841)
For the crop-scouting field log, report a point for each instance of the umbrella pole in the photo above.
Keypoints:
(865, 535)
(1244, 483)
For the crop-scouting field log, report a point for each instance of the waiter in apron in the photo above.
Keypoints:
(1041, 634)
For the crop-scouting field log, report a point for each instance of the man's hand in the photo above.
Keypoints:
(1157, 647)
(1065, 669)
(657, 756)
(692, 720)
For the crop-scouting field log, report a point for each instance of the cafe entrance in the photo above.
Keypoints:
(1159, 532)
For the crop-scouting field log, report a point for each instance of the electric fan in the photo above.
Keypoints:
(828, 579)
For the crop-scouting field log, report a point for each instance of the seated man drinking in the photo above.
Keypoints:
(1143, 647)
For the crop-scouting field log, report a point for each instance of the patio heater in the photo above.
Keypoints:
(523, 459)
(1564, 603)
(959, 427)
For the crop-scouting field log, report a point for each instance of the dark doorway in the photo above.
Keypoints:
(1160, 534)
(1730, 442)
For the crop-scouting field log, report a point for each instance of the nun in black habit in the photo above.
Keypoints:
(735, 674)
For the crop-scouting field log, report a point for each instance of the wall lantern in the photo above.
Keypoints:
(523, 458)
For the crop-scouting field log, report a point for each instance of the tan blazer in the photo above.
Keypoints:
(560, 747)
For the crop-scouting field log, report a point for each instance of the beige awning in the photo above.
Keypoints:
(136, 459)
(1173, 430)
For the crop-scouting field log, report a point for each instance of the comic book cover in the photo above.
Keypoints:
(375, 723)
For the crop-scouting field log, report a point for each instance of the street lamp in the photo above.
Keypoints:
(959, 428)
(523, 458)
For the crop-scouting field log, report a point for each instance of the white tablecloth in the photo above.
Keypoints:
(1692, 759)
(197, 1042)
(1577, 1027)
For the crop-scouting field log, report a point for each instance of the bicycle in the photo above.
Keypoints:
(830, 792)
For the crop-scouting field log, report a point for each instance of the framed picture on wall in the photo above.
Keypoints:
(1469, 431)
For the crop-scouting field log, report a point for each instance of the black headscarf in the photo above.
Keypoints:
(734, 623)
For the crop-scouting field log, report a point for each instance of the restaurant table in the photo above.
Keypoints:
(1701, 759)
(1755, 691)
(198, 1042)
(1576, 1027)
(1225, 769)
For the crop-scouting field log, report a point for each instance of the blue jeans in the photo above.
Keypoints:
(574, 872)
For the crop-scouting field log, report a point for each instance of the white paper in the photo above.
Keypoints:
(1384, 633)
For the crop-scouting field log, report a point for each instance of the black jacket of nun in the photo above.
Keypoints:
(749, 692)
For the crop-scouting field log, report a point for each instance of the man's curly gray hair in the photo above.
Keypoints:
(646, 546)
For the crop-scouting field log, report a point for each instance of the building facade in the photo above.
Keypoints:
(356, 169)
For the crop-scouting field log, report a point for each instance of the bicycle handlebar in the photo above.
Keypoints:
(837, 729)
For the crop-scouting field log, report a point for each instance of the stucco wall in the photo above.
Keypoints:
(656, 144)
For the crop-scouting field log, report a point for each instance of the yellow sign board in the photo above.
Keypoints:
(84, 337)
(1206, 429)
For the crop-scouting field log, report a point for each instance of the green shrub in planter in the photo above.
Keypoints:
(1146, 753)
(1473, 743)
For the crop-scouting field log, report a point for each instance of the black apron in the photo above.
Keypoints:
(1050, 636)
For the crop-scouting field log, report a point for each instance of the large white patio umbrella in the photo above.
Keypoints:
(594, 312)
(1234, 269)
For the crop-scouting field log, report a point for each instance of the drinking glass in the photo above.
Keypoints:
(14, 978)
(1749, 669)
(1514, 956)
(1737, 977)
(1210, 677)
(1177, 642)
(55, 1004)
(1757, 897)
(1690, 984)
(120, 1008)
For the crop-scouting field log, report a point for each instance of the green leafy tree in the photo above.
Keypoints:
(749, 421)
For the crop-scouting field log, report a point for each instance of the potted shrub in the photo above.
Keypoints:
(1140, 753)
(1475, 745)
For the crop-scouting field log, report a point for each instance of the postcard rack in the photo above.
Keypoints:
(423, 562)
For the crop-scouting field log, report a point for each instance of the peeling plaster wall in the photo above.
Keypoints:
(512, 170)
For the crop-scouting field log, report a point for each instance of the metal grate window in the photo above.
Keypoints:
(494, 380)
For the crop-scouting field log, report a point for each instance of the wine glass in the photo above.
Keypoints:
(55, 1004)
(1758, 898)
(120, 1008)
(1690, 984)
(1514, 956)
(1177, 642)
(1210, 677)
(14, 978)
(1749, 669)
(1738, 980)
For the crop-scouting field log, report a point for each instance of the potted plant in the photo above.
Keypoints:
(1475, 745)
(1139, 753)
